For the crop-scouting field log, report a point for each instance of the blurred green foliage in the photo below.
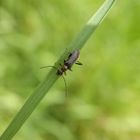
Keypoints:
(103, 100)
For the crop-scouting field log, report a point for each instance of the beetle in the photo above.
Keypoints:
(67, 65)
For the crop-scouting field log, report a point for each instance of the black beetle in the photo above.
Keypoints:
(68, 63)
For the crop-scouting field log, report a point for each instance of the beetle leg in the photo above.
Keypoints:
(65, 73)
(78, 63)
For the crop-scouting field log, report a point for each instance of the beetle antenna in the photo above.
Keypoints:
(66, 89)
(47, 67)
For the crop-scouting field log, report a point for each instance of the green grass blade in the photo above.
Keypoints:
(48, 82)
(91, 25)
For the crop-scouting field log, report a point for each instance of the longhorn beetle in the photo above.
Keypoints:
(67, 65)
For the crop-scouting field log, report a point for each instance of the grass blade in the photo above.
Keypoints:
(50, 79)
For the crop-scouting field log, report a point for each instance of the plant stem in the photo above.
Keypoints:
(48, 82)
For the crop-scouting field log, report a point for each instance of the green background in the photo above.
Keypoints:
(103, 100)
